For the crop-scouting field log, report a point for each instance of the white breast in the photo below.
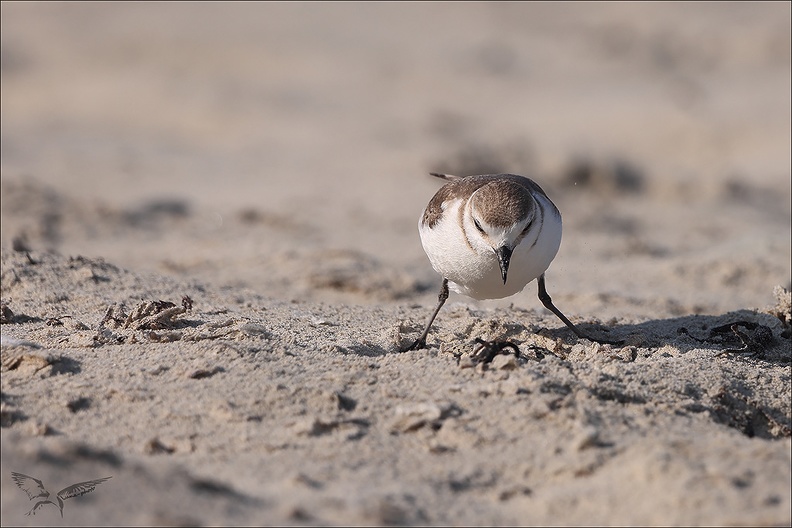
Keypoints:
(473, 270)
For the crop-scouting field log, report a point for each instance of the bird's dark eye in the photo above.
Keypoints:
(478, 226)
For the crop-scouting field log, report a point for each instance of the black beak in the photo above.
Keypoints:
(504, 254)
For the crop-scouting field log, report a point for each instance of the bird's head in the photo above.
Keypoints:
(497, 217)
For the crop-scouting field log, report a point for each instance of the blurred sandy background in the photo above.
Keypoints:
(264, 156)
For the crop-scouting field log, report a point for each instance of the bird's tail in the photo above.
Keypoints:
(442, 176)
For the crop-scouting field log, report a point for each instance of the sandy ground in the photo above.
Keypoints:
(210, 260)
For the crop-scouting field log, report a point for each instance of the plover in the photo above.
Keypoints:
(488, 236)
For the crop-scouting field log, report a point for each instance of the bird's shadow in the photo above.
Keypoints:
(741, 332)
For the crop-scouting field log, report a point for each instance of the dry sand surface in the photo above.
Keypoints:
(210, 262)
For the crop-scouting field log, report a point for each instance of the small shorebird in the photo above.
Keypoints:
(488, 236)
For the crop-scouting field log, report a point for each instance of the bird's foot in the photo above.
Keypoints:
(417, 345)
(485, 351)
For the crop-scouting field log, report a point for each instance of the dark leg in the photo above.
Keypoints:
(548, 303)
(441, 299)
